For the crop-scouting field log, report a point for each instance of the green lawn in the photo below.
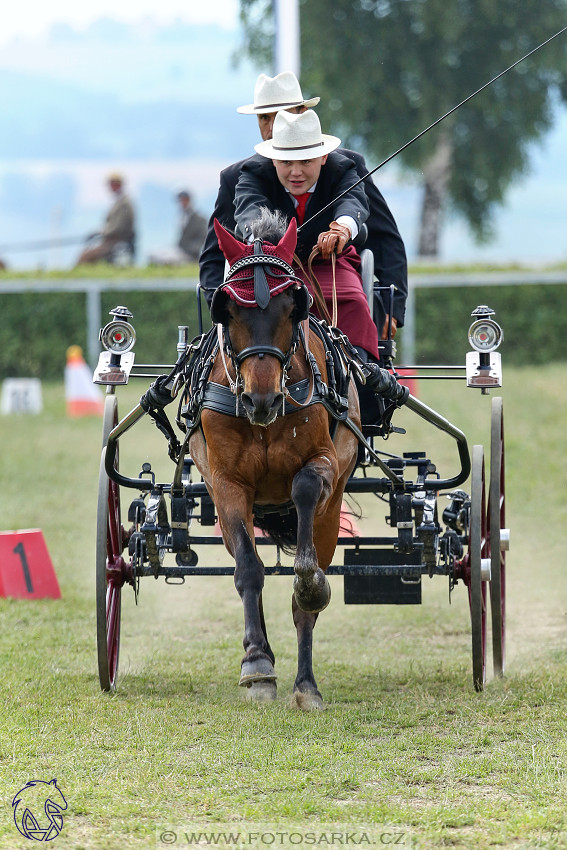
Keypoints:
(406, 751)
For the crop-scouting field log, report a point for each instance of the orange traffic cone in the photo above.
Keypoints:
(82, 396)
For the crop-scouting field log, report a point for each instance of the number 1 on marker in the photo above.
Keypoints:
(19, 550)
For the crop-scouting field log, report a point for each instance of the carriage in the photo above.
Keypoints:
(166, 529)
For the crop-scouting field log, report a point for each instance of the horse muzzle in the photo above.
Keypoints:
(262, 409)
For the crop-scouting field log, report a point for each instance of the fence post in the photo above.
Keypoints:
(408, 339)
(93, 323)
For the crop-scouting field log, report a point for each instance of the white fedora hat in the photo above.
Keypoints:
(297, 137)
(274, 93)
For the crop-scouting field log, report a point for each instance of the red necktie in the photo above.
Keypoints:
(301, 204)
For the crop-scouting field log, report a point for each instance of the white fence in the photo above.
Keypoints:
(420, 281)
(93, 288)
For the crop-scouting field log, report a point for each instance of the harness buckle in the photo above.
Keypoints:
(356, 369)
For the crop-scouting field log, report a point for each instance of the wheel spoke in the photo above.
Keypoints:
(497, 524)
(111, 570)
(113, 629)
(478, 549)
(115, 535)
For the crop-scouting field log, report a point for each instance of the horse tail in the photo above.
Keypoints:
(279, 522)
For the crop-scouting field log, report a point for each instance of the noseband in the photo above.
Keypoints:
(260, 350)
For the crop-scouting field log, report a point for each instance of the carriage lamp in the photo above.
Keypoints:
(484, 366)
(118, 337)
(485, 334)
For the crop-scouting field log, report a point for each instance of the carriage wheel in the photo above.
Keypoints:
(110, 566)
(498, 537)
(478, 546)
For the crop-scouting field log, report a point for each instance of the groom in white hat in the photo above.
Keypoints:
(272, 94)
(284, 92)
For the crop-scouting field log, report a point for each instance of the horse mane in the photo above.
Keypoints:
(269, 226)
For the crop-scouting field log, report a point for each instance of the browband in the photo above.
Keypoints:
(263, 259)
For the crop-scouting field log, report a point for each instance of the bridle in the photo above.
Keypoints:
(261, 350)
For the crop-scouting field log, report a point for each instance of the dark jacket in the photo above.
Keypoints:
(211, 261)
(258, 186)
(384, 240)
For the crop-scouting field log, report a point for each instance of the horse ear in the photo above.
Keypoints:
(286, 245)
(230, 246)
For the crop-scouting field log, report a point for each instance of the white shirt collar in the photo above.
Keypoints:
(309, 192)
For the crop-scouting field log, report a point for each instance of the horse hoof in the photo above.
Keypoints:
(258, 670)
(312, 595)
(307, 701)
(265, 691)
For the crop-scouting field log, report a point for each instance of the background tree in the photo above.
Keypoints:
(386, 69)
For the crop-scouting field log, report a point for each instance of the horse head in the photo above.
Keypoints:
(259, 306)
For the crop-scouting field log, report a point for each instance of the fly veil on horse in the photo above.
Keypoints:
(271, 440)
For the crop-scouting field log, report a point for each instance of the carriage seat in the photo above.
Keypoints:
(367, 275)
(366, 265)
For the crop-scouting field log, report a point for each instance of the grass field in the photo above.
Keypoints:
(406, 752)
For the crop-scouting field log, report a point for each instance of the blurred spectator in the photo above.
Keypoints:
(118, 235)
(193, 229)
(2, 265)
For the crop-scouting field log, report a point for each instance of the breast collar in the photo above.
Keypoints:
(202, 393)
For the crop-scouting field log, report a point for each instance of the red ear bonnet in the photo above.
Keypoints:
(286, 246)
(239, 283)
(232, 249)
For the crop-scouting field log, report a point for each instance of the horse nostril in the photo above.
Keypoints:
(247, 401)
(277, 402)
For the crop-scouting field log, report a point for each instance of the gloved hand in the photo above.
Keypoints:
(385, 327)
(383, 383)
(157, 396)
(334, 239)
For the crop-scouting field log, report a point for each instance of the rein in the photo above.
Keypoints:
(318, 296)
(304, 337)
(232, 384)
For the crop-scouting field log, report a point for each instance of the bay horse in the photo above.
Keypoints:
(265, 458)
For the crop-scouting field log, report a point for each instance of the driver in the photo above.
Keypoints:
(298, 172)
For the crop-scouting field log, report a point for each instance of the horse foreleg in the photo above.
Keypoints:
(263, 624)
(310, 586)
(258, 662)
(306, 695)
